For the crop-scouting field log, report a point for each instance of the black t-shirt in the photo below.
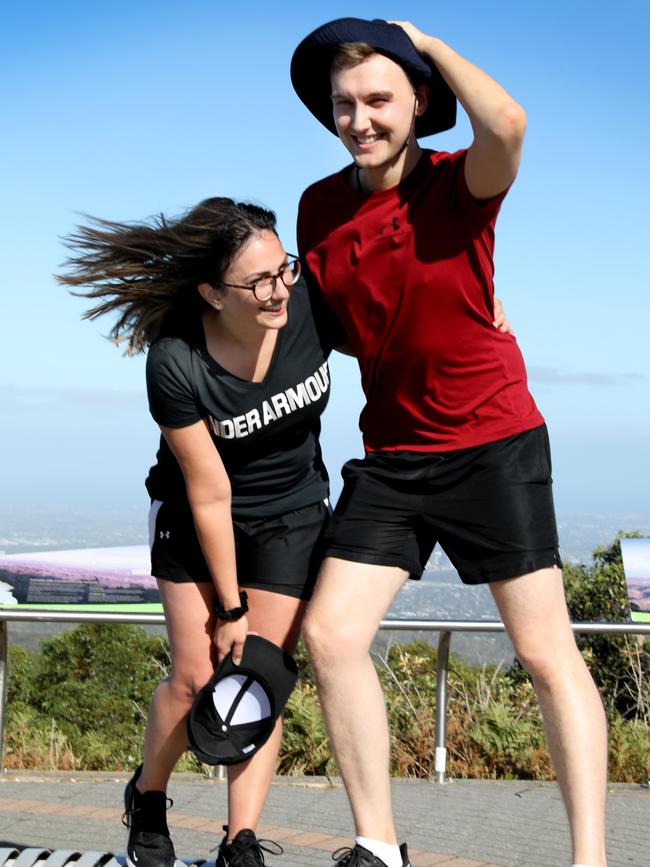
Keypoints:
(265, 432)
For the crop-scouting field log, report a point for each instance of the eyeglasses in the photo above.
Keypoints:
(264, 288)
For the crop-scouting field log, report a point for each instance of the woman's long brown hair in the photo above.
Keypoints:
(148, 272)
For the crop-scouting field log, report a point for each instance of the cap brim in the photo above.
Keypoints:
(269, 666)
(211, 747)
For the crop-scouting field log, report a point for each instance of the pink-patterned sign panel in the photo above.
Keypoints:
(91, 579)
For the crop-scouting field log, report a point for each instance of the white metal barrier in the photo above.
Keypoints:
(444, 627)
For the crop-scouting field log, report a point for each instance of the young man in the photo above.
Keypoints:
(400, 244)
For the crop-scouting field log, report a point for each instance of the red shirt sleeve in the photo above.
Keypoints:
(478, 212)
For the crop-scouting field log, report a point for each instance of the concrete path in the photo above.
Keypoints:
(462, 824)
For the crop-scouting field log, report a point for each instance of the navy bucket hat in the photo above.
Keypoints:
(312, 60)
(235, 712)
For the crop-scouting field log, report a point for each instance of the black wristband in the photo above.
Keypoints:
(229, 615)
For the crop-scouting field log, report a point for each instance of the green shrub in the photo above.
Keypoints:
(32, 741)
(629, 751)
(619, 664)
(305, 747)
(81, 702)
(96, 681)
(22, 671)
(512, 745)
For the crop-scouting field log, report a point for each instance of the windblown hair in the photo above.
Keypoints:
(148, 272)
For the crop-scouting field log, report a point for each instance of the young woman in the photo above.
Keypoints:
(237, 379)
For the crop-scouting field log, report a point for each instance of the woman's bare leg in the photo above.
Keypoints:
(190, 623)
(279, 619)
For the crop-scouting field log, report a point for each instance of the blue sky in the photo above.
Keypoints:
(125, 109)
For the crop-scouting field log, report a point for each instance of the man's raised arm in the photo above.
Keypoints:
(498, 121)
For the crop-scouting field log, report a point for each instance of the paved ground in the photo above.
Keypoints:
(462, 824)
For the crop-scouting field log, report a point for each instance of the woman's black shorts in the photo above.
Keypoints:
(490, 507)
(281, 553)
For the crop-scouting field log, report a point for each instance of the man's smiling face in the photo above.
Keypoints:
(374, 105)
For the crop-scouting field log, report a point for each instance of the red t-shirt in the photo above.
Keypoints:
(408, 272)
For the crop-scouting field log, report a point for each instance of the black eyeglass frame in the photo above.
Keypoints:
(292, 262)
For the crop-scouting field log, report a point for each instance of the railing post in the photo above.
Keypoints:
(216, 772)
(440, 764)
(3, 687)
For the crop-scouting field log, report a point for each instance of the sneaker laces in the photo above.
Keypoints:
(347, 856)
(129, 816)
(249, 848)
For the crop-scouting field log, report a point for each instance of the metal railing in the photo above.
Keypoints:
(444, 627)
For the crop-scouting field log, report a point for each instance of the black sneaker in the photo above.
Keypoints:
(245, 850)
(149, 843)
(362, 857)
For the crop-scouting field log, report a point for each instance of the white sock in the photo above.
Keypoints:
(390, 855)
(581, 865)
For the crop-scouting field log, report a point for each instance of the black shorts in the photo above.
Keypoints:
(490, 507)
(281, 553)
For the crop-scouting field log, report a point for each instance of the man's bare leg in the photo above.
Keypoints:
(341, 622)
(533, 609)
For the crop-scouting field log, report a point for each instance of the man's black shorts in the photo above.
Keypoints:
(280, 553)
(490, 507)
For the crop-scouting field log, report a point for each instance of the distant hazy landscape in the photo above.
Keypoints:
(440, 595)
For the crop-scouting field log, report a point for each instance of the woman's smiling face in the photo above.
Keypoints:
(262, 256)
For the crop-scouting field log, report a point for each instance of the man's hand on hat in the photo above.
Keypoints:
(230, 636)
(417, 37)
